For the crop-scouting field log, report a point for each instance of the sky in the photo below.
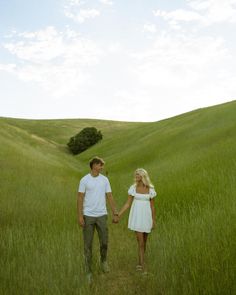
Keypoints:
(127, 60)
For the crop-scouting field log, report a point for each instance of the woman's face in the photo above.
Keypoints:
(138, 177)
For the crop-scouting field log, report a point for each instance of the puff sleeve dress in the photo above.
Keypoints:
(140, 216)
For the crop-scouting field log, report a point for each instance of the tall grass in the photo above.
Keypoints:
(191, 160)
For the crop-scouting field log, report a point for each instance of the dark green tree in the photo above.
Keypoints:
(84, 139)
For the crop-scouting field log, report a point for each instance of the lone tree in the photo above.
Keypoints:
(84, 139)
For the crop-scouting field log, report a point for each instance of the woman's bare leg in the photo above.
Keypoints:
(145, 236)
(140, 240)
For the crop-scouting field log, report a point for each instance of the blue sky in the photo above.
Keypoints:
(133, 60)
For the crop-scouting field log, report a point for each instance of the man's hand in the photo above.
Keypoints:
(81, 221)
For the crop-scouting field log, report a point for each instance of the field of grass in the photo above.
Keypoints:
(191, 159)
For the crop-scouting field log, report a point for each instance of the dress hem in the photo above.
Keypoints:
(141, 231)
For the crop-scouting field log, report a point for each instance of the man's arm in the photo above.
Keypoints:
(113, 207)
(80, 203)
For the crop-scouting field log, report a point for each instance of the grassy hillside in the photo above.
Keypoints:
(191, 160)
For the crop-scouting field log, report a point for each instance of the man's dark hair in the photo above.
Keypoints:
(96, 160)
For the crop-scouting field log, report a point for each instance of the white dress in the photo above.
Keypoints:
(140, 216)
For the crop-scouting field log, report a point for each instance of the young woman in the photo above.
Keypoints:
(142, 212)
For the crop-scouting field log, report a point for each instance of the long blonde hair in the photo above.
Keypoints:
(145, 177)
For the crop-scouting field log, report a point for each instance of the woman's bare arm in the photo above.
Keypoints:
(153, 211)
(126, 205)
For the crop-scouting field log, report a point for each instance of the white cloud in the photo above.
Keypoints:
(115, 47)
(204, 12)
(185, 71)
(215, 11)
(179, 60)
(74, 3)
(74, 9)
(178, 15)
(78, 10)
(151, 28)
(37, 46)
(107, 2)
(220, 11)
(9, 68)
(83, 14)
(58, 61)
(129, 105)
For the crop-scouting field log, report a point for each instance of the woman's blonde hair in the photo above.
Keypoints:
(145, 177)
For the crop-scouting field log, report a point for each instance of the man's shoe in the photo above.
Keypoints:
(105, 267)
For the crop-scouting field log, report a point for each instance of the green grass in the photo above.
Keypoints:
(191, 159)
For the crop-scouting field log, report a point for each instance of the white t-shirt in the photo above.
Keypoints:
(95, 189)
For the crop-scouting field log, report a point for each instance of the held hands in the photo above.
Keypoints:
(115, 218)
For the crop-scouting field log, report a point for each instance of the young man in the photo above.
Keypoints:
(94, 188)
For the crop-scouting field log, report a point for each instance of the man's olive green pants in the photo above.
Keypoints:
(100, 223)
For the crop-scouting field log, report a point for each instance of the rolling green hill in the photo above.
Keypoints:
(191, 159)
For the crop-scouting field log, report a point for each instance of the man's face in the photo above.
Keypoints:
(98, 167)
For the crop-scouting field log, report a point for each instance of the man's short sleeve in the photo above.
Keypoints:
(108, 186)
(81, 188)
